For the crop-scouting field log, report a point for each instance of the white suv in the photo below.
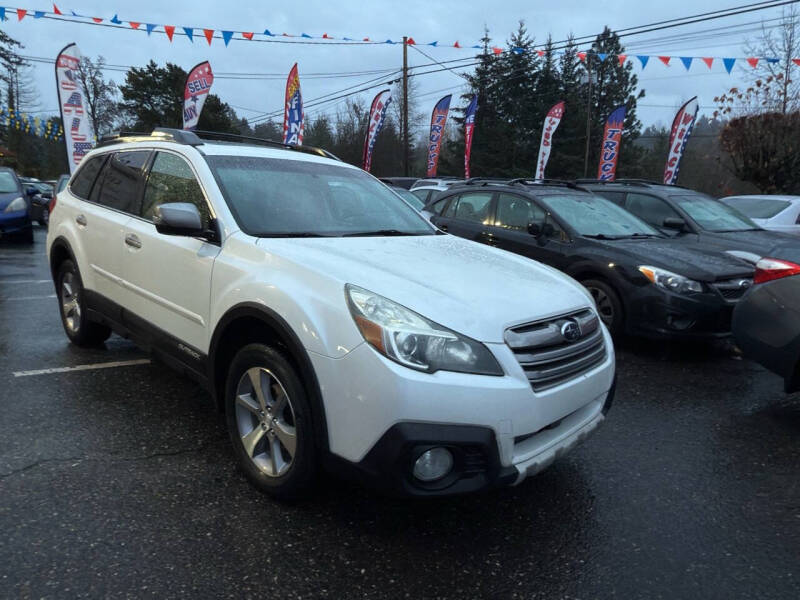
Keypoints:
(333, 324)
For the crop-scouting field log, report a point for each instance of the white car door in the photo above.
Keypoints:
(100, 222)
(169, 276)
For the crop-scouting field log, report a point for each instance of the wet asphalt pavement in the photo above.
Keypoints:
(119, 482)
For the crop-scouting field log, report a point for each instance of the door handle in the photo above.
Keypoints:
(133, 241)
(80, 220)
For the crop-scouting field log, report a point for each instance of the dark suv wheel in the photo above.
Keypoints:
(609, 306)
(269, 421)
(79, 329)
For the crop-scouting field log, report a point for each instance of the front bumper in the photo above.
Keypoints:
(382, 416)
(14, 222)
(652, 312)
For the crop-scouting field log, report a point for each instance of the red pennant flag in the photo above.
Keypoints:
(540, 52)
(796, 61)
(582, 56)
(708, 61)
(621, 58)
(410, 41)
(248, 35)
(56, 11)
(497, 50)
(753, 62)
(456, 45)
(325, 36)
(21, 12)
(97, 19)
(209, 33)
(665, 59)
(365, 39)
(286, 35)
(134, 24)
(170, 31)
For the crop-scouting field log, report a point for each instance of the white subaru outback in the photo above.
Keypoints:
(334, 325)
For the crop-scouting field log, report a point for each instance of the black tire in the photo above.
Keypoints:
(79, 329)
(44, 219)
(273, 367)
(609, 306)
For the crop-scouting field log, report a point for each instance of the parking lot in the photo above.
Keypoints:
(117, 479)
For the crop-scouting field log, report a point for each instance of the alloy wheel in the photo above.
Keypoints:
(605, 307)
(266, 422)
(70, 302)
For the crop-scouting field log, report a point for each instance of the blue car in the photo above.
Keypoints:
(15, 210)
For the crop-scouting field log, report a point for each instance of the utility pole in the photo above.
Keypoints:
(405, 106)
(588, 113)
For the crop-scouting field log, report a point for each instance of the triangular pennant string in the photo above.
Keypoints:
(169, 29)
(621, 58)
(189, 31)
(134, 24)
(753, 62)
(665, 59)
(729, 62)
(248, 35)
(97, 19)
(643, 58)
(56, 11)
(209, 33)
(796, 61)
(709, 61)
(226, 37)
(687, 61)
(21, 12)
(602, 56)
(115, 20)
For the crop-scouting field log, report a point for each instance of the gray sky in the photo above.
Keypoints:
(666, 86)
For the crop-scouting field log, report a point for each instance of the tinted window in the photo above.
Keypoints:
(439, 206)
(8, 183)
(82, 182)
(470, 207)
(617, 198)
(515, 212)
(758, 208)
(171, 180)
(121, 184)
(713, 215)
(650, 208)
(279, 197)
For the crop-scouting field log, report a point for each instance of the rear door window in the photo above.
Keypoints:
(472, 207)
(121, 183)
(650, 209)
(81, 185)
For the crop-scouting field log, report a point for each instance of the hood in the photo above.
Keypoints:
(6, 198)
(755, 243)
(676, 255)
(470, 288)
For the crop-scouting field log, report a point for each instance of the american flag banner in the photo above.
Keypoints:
(78, 133)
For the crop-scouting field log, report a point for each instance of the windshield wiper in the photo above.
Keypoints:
(292, 234)
(382, 232)
(643, 235)
(602, 236)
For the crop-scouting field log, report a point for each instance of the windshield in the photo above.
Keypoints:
(7, 183)
(409, 197)
(712, 215)
(758, 208)
(287, 198)
(593, 216)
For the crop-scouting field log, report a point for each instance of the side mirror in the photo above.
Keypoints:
(675, 223)
(534, 229)
(178, 218)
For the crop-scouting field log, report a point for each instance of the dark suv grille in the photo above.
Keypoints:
(548, 357)
(733, 289)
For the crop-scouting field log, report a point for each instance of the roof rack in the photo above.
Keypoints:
(530, 181)
(484, 180)
(221, 136)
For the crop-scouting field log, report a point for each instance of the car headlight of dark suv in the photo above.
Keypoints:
(672, 282)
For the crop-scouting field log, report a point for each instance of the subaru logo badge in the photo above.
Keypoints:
(571, 331)
(744, 283)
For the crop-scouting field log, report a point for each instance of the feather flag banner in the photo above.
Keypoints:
(551, 122)
(377, 115)
(195, 92)
(438, 122)
(78, 131)
(469, 128)
(681, 130)
(612, 138)
(293, 110)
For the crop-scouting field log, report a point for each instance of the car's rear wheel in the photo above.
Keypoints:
(74, 317)
(44, 220)
(609, 306)
(269, 421)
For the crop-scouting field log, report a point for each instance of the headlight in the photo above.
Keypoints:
(671, 281)
(16, 204)
(412, 340)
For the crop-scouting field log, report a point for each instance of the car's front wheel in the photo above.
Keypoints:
(609, 306)
(269, 421)
(79, 329)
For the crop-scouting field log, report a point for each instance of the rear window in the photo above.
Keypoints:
(82, 182)
(758, 208)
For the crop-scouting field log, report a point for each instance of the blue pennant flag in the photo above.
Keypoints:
(115, 20)
(226, 37)
(643, 58)
(687, 61)
(189, 33)
(38, 14)
(388, 42)
(347, 39)
(729, 62)
(602, 56)
(772, 61)
(476, 46)
(517, 50)
(432, 43)
(2, 14)
(269, 33)
(305, 35)
(150, 27)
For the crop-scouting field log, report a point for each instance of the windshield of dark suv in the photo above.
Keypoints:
(8, 184)
(288, 198)
(596, 217)
(713, 215)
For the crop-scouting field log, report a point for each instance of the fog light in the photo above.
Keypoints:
(433, 464)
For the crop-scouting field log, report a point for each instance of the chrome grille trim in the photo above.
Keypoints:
(547, 358)
(733, 289)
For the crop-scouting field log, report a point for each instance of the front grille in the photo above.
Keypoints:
(548, 358)
(733, 289)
